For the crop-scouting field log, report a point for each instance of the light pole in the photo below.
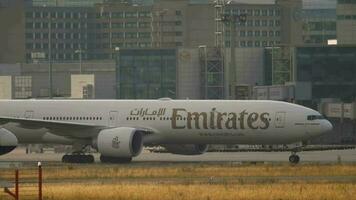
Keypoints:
(50, 94)
(80, 51)
(204, 47)
(118, 70)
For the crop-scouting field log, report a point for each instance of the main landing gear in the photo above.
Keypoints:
(114, 160)
(78, 156)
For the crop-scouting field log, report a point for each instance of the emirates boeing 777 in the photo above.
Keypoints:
(118, 129)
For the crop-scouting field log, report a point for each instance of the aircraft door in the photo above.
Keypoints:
(29, 114)
(113, 118)
(280, 119)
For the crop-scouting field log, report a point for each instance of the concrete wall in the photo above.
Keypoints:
(5, 87)
(346, 28)
(249, 63)
(104, 71)
(78, 82)
(188, 72)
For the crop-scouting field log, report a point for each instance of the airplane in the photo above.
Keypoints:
(119, 129)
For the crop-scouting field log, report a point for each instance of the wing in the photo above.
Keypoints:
(62, 128)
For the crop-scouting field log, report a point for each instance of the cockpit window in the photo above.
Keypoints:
(314, 117)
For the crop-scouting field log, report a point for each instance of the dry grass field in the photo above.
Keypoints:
(277, 191)
(187, 171)
(195, 182)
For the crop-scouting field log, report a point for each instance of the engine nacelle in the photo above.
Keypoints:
(186, 149)
(122, 142)
(8, 141)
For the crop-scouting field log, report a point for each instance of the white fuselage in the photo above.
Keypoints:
(172, 121)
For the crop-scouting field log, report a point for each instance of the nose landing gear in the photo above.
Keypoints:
(294, 158)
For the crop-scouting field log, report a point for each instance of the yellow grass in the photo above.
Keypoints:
(140, 182)
(183, 171)
(201, 191)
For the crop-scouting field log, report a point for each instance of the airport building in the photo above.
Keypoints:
(346, 21)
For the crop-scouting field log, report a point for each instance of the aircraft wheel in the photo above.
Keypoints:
(78, 159)
(294, 159)
(114, 160)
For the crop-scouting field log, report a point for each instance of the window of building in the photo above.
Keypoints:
(278, 33)
(118, 35)
(270, 12)
(105, 25)
(117, 14)
(38, 46)
(75, 25)
(144, 24)
(257, 43)
(243, 43)
(131, 25)
(105, 35)
(249, 43)
(37, 35)
(264, 22)
(178, 12)
(271, 33)
(278, 23)
(264, 43)
(257, 33)
(130, 14)
(257, 22)
(67, 36)
(117, 25)
(257, 12)
(249, 12)
(37, 15)
(264, 33)
(60, 15)
(130, 35)
(144, 14)
(37, 25)
(250, 33)
(264, 12)
(271, 23)
(178, 23)
(242, 33)
(144, 35)
(67, 15)
(44, 25)
(60, 25)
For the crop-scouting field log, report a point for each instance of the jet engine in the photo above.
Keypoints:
(122, 142)
(186, 149)
(8, 141)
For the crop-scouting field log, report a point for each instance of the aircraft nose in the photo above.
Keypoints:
(326, 126)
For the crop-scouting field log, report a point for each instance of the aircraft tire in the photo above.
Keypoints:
(78, 159)
(114, 160)
(294, 159)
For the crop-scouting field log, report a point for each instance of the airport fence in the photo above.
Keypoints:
(18, 184)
